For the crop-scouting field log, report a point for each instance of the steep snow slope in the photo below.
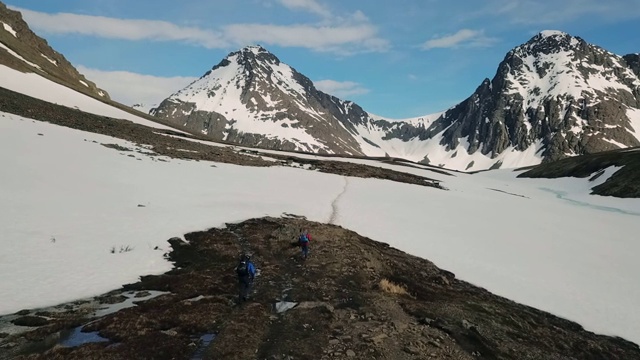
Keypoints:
(253, 101)
(38, 87)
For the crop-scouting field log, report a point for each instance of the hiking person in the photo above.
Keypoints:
(246, 273)
(303, 241)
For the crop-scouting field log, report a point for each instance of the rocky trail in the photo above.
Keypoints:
(354, 298)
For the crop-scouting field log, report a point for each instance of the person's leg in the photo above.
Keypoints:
(244, 290)
(249, 288)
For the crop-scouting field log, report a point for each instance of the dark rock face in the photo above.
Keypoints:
(31, 321)
(36, 50)
(513, 110)
(633, 62)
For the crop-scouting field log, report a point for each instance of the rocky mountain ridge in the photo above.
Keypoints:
(555, 96)
(23, 50)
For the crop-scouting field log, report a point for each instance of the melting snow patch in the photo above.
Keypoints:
(284, 306)
(9, 29)
(603, 176)
(185, 150)
(83, 83)
(49, 59)
(616, 143)
(130, 302)
(19, 57)
(194, 299)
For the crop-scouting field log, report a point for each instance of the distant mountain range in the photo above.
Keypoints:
(553, 97)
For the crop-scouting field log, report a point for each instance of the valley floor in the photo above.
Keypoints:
(88, 206)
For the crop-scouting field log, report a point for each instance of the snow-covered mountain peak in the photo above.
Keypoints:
(254, 53)
(554, 63)
(254, 49)
(550, 42)
(552, 33)
(250, 79)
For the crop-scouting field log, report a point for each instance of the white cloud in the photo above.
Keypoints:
(340, 89)
(114, 28)
(464, 37)
(311, 6)
(323, 38)
(548, 12)
(356, 34)
(131, 88)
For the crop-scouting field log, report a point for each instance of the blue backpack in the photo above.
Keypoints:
(303, 239)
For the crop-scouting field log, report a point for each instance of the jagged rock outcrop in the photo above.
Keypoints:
(633, 62)
(555, 93)
(23, 50)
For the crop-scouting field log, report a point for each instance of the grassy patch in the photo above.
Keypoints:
(392, 288)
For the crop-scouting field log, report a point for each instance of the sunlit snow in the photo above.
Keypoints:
(3, 46)
(226, 100)
(49, 59)
(39, 87)
(8, 28)
(634, 117)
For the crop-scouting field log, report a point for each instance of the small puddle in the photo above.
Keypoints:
(76, 338)
(205, 340)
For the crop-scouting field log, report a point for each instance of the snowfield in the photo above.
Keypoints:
(68, 202)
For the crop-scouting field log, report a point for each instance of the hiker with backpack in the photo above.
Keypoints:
(303, 242)
(246, 273)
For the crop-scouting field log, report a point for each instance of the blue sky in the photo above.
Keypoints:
(398, 59)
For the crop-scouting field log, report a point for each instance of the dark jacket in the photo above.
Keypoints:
(251, 271)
